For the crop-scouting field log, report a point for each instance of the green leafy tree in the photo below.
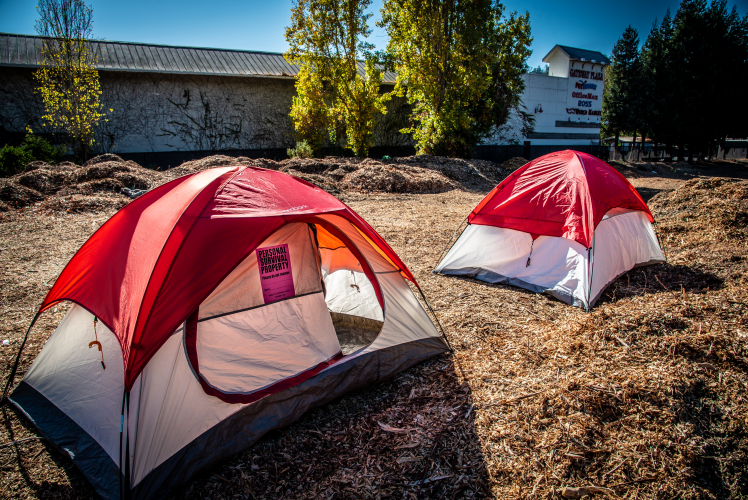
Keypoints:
(622, 100)
(326, 40)
(460, 66)
(724, 57)
(68, 81)
(688, 49)
(659, 112)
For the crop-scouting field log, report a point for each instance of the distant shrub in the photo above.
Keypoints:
(302, 150)
(13, 159)
(42, 150)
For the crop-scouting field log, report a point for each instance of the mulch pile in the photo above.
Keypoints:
(514, 163)
(94, 186)
(412, 174)
(98, 185)
(719, 207)
(396, 179)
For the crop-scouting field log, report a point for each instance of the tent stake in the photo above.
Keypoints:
(444, 334)
(9, 382)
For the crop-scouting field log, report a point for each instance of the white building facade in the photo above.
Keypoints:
(566, 103)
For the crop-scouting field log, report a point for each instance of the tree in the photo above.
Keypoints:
(686, 85)
(622, 100)
(460, 66)
(68, 81)
(333, 98)
(657, 67)
(725, 60)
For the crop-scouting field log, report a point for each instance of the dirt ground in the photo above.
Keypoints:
(645, 397)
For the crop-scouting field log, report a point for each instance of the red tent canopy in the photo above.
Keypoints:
(156, 260)
(564, 194)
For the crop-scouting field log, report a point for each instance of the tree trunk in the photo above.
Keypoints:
(615, 147)
(644, 137)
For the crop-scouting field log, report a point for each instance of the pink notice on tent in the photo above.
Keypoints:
(275, 273)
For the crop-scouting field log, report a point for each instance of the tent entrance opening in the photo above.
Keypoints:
(350, 296)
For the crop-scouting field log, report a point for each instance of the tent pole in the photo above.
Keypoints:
(444, 334)
(445, 250)
(12, 375)
(590, 271)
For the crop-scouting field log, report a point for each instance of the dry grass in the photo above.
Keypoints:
(643, 398)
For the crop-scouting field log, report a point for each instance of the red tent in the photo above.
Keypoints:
(147, 268)
(564, 194)
(566, 224)
(231, 302)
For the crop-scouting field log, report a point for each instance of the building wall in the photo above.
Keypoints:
(154, 112)
(567, 109)
(558, 65)
(149, 112)
(160, 112)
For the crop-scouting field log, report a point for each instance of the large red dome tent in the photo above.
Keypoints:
(209, 311)
(566, 224)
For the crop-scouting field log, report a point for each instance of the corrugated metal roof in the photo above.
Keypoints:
(579, 54)
(25, 51)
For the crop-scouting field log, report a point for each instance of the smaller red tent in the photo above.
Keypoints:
(541, 229)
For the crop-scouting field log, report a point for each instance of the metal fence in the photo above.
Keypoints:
(652, 152)
(497, 154)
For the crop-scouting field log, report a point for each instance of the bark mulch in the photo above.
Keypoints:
(645, 397)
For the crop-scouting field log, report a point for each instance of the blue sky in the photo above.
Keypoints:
(259, 25)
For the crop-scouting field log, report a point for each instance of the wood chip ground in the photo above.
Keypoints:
(645, 397)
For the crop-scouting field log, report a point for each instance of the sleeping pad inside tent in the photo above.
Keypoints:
(209, 311)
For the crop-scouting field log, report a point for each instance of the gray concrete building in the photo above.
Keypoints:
(166, 98)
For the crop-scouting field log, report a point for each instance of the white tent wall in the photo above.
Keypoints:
(497, 255)
(351, 292)
(69, 374)
(558, 266)
(623, 240)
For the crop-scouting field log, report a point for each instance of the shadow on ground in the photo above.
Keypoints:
(661, 278)
(411, 436)
(21, 463)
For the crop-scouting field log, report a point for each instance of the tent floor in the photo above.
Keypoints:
(354, 332)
